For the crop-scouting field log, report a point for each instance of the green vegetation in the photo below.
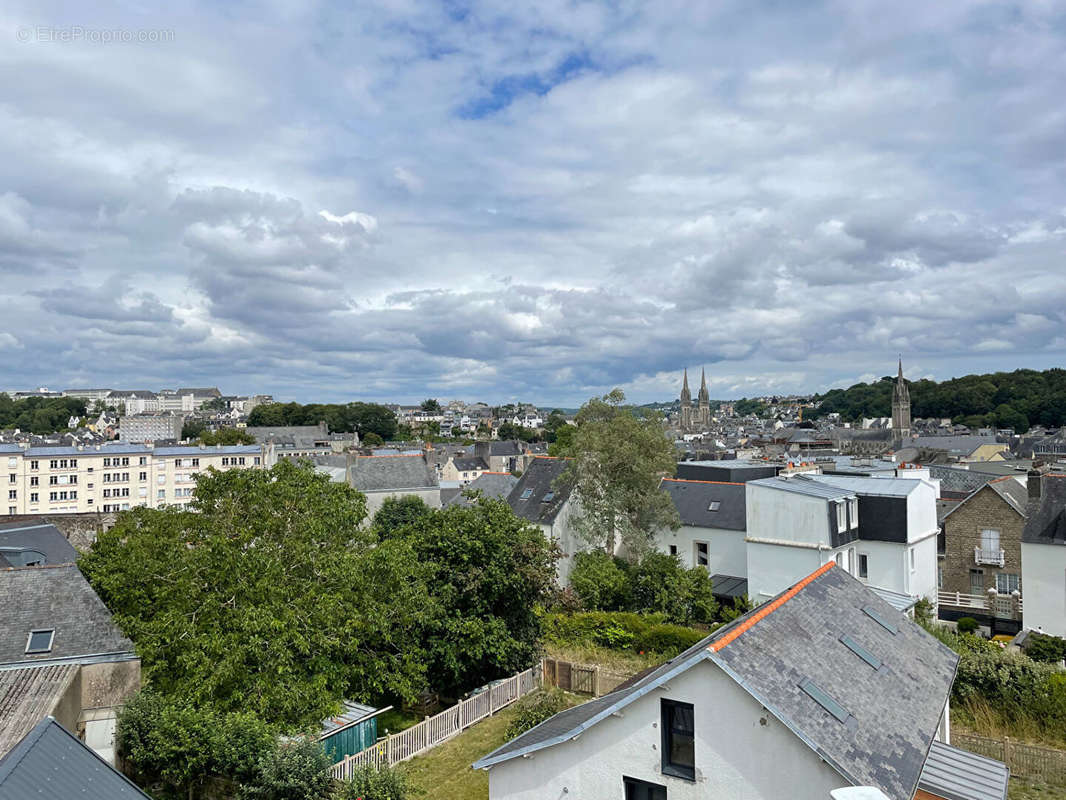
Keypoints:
(536, 707)
(967, 625)
(362, 418)
(509, 430)
(656, 584)
(744, 406)
(1002, 399)
(619, 630)
(226, 436)
(619, 456)
(1045, 648)
(39, 414)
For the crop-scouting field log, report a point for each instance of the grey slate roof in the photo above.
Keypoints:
(961, 775)
(956, 445)
(957, 480)
(884, 487)
(390, 473)
(539, 479)
(469, 464)
(51, 764)
(1047, 516)
(56, 597)
(893, 712)
(492, 485)
(41, 537)
(693, 500)
(1012, 492)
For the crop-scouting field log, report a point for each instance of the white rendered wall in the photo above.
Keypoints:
(1044, 587)
(742, 752)
(725, 548)
(921, 512)
(778, 514)
(773, 568)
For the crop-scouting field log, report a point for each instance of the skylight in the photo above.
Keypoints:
(860, 651)
(548, 497)
(877, 617)
(40, 641)
(714, 506)
(824, 700)
(526, 494)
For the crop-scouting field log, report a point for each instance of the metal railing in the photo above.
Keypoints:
(433, 730)
(989, 556)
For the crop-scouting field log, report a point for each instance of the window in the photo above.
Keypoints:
(160, 479)
(241, 461)
(34, 497)
(63, 463)
(107, 462)
(679, 740)
(1007, 582)
(526, 494)
(225, 461)
(977, 581)
(35, 465)
(73, 463)
(842, 517)
(142, 460)
(853, 512)
(53, 496)
(40, 641)
(864, 565)
(34, 480)
(913, 557)
(196, 462)
(939, 577)
(142, 476)
(548, 497)
(257, 461)
(860, 651)
(715, 505)
(12, 461)
(990, 540)
(815, 692)
(53, 463)
(12, 494)
(876, 616)
(73, 495)
(642, 790)
(11, 478)
(161, 494)
(702, 557)
(673, 549)
(125, 462)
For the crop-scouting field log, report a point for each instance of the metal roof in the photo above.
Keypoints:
(899, 601)
(729, 586)
(50, 763)
(884, 487)
(352, 713)
(956, 774)
(801, 484)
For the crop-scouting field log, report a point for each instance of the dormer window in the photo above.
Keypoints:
(40, 641)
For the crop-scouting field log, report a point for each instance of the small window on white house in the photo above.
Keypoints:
(714, 506)
(864, 565)
(40, 641)
(914, 560)
(702, 556)
(842, 518)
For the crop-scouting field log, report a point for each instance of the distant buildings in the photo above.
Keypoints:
(695, 419)
(150, 427)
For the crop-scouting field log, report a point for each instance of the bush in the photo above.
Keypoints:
(967, 625)
(662, 585)
(376, 783)
(297, 770)
(1042, 647)
(600, 581)
(533, 709)
(619, 630)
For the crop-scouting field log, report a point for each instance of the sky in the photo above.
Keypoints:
(529, 200)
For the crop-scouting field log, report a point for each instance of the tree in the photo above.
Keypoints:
(619, 459)
(297, 770)
(662, 585)
(267, 596)
(431, 406)
(192, 428)
(371, 439)
(488, 571)
(600, 581)
(509, 430)
(216, 404)
(398, 512)
(227, 436)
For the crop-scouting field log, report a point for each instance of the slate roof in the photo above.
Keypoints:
(469, 464)
(390, 473)
(957, 480)
(50, 763)
(492, 485)
(693, 501)
(1013, 493)
(957, 445)
(539, 479)
(1047, 516)
(59, 597)
(893, 712)
(44, 538)
(961, 775)
(28, 695)
(883, 487)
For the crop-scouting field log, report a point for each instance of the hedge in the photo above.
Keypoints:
(620, 630)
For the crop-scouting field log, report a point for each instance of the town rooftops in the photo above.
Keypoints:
(879, 487)
(801, 484)
(119, 449)
(469, 464)
(708, 504)
(539, 496)
(1047, 515)
(873, 725)
(56, 603)
(50, 763)
(389, 473)
(1012, 492)
(955, 445)
(957, 480)
(492, 485)
(25, 543)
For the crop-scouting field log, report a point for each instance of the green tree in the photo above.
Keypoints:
(600, 581)
(619, 458)
(397, 512)
(227, 436)
(371, 439)
(296, 770)
(662, 585)
(266, 596)
(489, 569)
(216, 404)
(377, 783)
(431, 406)
(192, 428)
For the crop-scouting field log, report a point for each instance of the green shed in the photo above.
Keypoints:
(350, 732)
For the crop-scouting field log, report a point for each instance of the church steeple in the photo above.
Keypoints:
(901, 407)
(704, 398)
(686, 395)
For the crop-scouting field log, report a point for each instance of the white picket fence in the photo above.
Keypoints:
(433, 730)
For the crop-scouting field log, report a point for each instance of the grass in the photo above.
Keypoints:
(397, 720)
(620, 662)
(978, 716)
(1020, 789)
(445, 770)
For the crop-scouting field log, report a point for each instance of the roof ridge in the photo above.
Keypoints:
(692, 480)
(765, 610)
(41, 566)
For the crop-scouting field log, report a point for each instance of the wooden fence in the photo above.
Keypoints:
(1024, 760)
(580, 678)
(433, 730)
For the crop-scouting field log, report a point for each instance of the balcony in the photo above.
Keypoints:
(1003, 606)
(989, 557)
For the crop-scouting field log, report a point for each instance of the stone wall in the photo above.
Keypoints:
(962, 532)
(80, 529)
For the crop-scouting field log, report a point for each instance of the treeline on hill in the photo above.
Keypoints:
(1015, 400)
(39, 414)
(362, 418)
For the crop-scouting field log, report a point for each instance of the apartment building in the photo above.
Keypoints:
(150, 427)
(110, 477)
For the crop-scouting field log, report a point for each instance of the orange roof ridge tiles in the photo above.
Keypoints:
(1004, 478)
(691, 480)
(767, 609)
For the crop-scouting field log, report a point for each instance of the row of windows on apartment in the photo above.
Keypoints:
(57, 496)
(124, 461)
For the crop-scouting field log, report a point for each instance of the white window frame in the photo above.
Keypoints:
(51, 640)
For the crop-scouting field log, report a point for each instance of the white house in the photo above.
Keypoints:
(1044, 555)
(827, 686)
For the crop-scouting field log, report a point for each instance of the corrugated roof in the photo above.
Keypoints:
(352, 713)
(956, 774)
(50, 763)
(28, 695)
(898, 600)
(729, 586)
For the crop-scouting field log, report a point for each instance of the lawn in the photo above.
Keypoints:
(445, 770)
(1027, 790)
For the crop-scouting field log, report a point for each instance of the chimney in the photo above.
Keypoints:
(1034, 481)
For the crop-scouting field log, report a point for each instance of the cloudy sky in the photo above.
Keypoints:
(542, 200)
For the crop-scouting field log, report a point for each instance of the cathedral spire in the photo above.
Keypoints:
(705, 398)
(686, 395)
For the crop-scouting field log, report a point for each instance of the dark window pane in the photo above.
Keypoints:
(682, 750)
(683, 718)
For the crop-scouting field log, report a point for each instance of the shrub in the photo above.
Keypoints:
(662, 585)
(377, 783)
(600, 581)
(741, 606)
(667, 639)
(296, 770)
(967, 625)
(533, 709)
(620, 630)
(1049, 649)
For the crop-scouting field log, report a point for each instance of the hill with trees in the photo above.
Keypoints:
(363, 418)
(1015, 400)
(39, 414)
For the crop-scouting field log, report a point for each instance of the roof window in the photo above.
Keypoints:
(880, 619)
(715, 505)
(814, 691)
(40, 641)
(526, 494)
(860, 651)
(548, 497)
